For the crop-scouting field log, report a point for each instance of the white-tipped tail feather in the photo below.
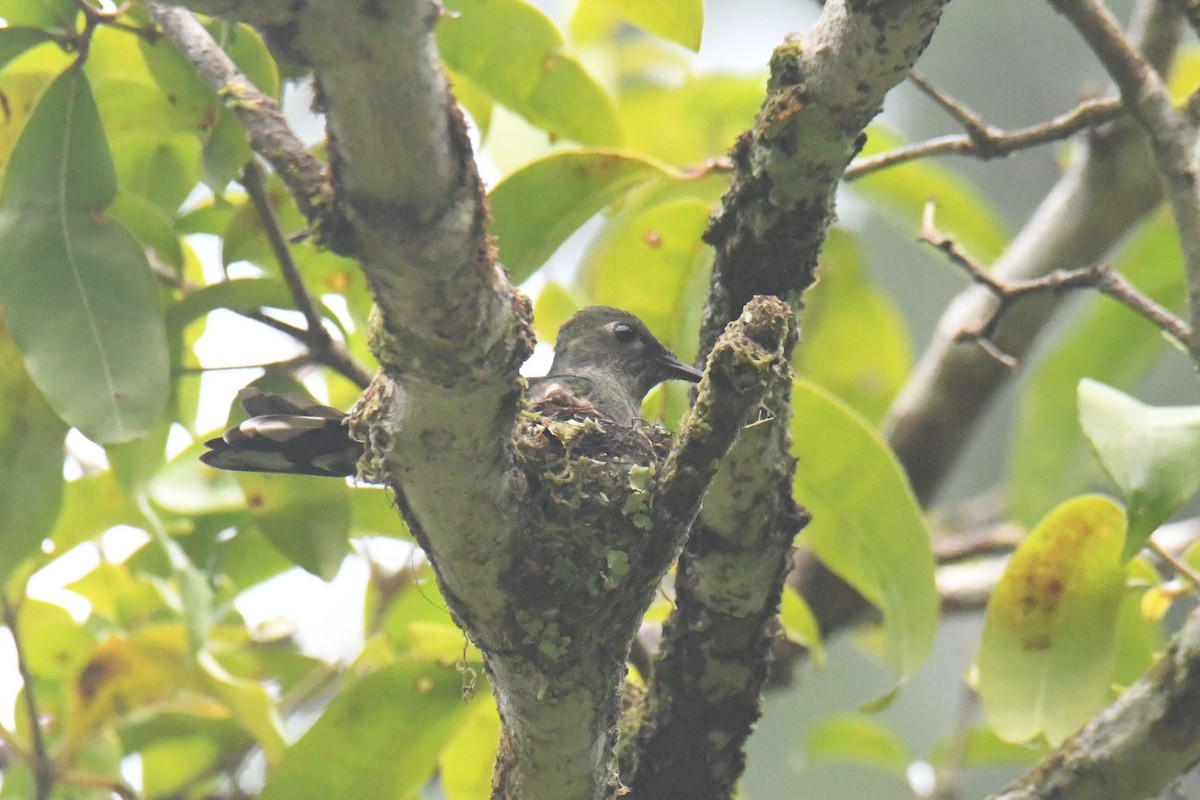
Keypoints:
(287, 434)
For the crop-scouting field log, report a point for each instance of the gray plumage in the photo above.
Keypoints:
(605, 361)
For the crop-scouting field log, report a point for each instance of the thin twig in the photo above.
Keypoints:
(986, 142)
(114, 785)
(1095, 276)
(270, 135)
(288, 364)
(335, 356)
(1191, 12)
(42, 766)
(1173, 137)
(110, 19)
(252, 180)
(1178, 564)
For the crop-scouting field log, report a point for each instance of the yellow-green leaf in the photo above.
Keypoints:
(679, 21)
(799, 624)
(866, 524)
(855, 342)
(857, 740)
(385, 730)
(513, 52)
(466, 763)
(687, 123)
(1046, 658)
(536, 208)
(307, 518)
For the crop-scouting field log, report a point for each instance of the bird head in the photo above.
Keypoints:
(607, 344)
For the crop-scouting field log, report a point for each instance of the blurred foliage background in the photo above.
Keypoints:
(176, 620)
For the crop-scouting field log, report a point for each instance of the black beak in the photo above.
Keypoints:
(677, 370)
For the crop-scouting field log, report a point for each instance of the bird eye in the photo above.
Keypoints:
(624, 333)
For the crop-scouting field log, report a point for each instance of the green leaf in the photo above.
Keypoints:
(372, 513)
(14, 41)
(537, 207)
(1046, 658)
(476, 102)
(554, 306)
(249, 52)
(866, 524)
(31, 461)
(1108, 342)
(1139, 638)
(307, 518)
(91, 506)
(857, 740)
(21, 91)
(54, 14)
(241, 294)
(55, 647)
(384, 733)
(904, 190)
(696, 120)
(799, 624)
(981, 747)
(526, 69)
(75, 289)
(249, 703)
(1149, 453)
(226, 151)
(150, 226)
(855, 341)
(656, 266)
(466, 763)
(679, 21)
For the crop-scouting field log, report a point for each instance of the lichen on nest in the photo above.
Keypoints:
(589, 517)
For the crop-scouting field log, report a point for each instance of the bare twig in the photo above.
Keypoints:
(1095, 276)
(252, 180)
(270, 135)
(334, 355)
(41, 766)
(1176, 563)
(114, 785)
(1172, 136)
(111, 19)
(987, 540)
(966, 579)
(984, 141)
(1191, 12)
(287, 364)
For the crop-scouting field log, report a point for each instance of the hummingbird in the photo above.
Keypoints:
(605, 361)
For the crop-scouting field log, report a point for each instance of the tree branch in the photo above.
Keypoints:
(335, 356)
(1108, 186)
(611, 503)
(824, 89)
(986, 142)
(1172, 137)
(1096, 276)
(324, 348)
(41, 765)
(270, 135)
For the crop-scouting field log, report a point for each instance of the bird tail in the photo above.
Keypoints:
(286, 433)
